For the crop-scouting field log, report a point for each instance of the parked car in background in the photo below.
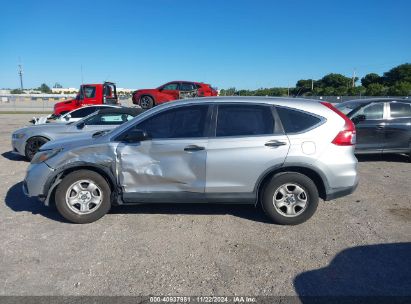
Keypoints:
(27, 141)
(71, 116)
(105, 93)
(383, 125)
(282, 153)
(147, 98)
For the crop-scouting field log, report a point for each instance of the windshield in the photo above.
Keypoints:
(349, 106)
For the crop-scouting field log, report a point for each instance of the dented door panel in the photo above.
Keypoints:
(154, 166)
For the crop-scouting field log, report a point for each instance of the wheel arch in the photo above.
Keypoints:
(318, 178)
(105, 172)
(34, 136)
(38, 135)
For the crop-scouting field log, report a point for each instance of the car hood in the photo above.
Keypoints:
(70, 142)
(41, 127)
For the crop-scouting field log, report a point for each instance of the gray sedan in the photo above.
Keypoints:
(27, 141)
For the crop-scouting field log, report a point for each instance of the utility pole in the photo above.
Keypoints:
(21, 76)
(353, 79)
(81, 68)
(312, 84)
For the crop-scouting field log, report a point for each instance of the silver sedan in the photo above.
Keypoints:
(27, 141)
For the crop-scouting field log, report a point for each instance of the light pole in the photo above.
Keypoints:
(21, 76)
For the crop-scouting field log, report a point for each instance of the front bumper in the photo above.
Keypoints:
(35, 180)
(18, 146)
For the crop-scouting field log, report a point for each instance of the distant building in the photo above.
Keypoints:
(63, 90)
(125, 91)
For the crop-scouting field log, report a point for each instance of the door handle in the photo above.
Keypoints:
(275, 143)
(193, 148)
(380, 126)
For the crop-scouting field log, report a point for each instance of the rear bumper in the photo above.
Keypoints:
(340, 192)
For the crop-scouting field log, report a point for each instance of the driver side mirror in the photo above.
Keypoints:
(67, 117)
(81, 125)
(359, 118)
(136, 135)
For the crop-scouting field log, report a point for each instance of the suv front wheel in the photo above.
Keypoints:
(290, 198)
(83, 197)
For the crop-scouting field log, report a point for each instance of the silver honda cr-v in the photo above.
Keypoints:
(281, 153)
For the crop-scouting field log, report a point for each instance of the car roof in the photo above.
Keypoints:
(249, 99)
(381, 99)
(122, 110)
(189, 81)
(99, 105)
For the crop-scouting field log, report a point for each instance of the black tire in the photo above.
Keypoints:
(146, 102)
(67, 182)
(277, 214)
(33, 145)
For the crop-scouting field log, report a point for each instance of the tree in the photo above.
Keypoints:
(340, 91)
(304, 86)
(398, 74)
(17, 91)
(401, 88)
(57, 85)
(356, 91)
(44, 88)
(370, 78)
(228, 92)
(375, 89)
(327, 91)
(334, 81)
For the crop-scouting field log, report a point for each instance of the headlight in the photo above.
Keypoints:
(42, 156)
(18, 135)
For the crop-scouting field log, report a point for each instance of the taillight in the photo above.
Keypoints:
(347, 136)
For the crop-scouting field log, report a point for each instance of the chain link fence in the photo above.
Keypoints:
(46, 102)
(37, 102)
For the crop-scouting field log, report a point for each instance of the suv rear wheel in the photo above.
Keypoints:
(83, 197)
(290, 198)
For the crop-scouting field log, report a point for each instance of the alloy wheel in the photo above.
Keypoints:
(290, 200)
(84, 197)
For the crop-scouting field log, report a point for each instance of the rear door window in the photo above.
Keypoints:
(295, 121)
(186, 86)
(400, 109)
(244, 120)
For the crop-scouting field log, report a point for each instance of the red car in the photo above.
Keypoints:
(147, 98)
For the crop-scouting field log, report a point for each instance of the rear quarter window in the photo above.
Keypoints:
(400, 109)
(295, 121)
